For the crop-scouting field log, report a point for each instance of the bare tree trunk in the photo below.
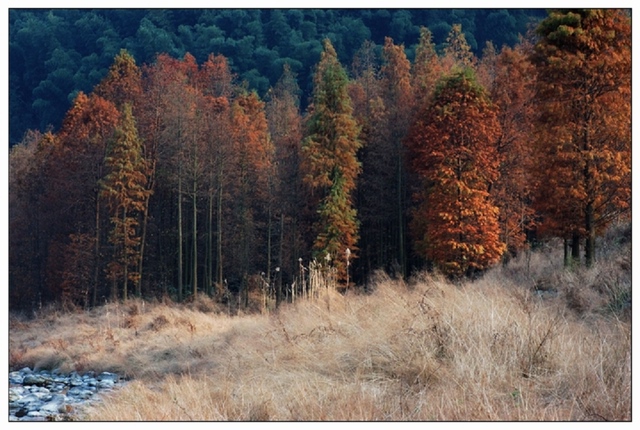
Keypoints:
(279, 274)
(590, 245)
(143, 239)
(96, 251)
(209, 252)
(575, 248)
(219, 274)
(125, 264)
(180, 233)
(195, 238)
(402, 257)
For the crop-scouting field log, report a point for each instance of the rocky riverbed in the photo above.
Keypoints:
(52, 396)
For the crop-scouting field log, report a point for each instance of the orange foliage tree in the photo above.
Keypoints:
(457, 52)
(453, 147)
(427, 68)
(509, 78)
(583, 95)
(249, 174)
(75, 167)
(123, 83)
(125, 192)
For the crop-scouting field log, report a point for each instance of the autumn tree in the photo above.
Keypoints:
(583, 140)
(374, 205)
(250, 172)
(453, 147)
(123, 84)
(123, 81)
(28, 220)
(74, 168)
(426, 69)
(217, 85)
(398, 97)
(382, 201)
(457, 52)
(285, 127)
(330, 163)
(509, 78)
(125, 192)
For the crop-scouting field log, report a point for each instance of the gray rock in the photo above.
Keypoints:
(52, 396)
(34, 379)
(53, 407)
(108, 376)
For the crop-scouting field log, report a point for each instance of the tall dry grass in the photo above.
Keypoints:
(493, 349)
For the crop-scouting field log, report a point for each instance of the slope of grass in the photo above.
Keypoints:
(493, 349)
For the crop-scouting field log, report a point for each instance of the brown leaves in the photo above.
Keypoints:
(583, 143)
(453, 147)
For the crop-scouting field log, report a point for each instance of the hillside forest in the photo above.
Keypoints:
(202, 162)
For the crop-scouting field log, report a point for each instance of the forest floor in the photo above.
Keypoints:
(529, 341)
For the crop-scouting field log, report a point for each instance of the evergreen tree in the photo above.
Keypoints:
(330, 163)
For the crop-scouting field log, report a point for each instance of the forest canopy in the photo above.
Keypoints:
(55, 53)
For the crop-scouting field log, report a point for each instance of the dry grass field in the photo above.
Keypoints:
(529, 341)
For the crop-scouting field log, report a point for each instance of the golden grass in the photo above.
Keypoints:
(487, 350)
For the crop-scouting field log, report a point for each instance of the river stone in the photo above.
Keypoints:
(34, 379)
(51, 396)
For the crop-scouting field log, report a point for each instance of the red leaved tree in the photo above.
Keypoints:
(453, 147)
(583, 95)
(509, 78)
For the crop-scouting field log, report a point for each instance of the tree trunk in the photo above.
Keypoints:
(209, 255)
(125, 264)
(590, 245)
(195, 239)
(96, 251)
(143, 239)
(114, 282)
(401, 254)
(219, 274)
(575, 248)
(279, 274)
(180, 233)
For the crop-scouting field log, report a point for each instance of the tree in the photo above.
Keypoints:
(28, 221)
(509, 78)
(285, 127)
(453, 147)
(427, 69)
(398, 97)
(584, 125)
(329, 161)
(250, 176)
(122, 83)
(124, 189)
(217, 85)
(457, 52)
(74, 168)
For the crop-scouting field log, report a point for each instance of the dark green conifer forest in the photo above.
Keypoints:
(55, 53)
